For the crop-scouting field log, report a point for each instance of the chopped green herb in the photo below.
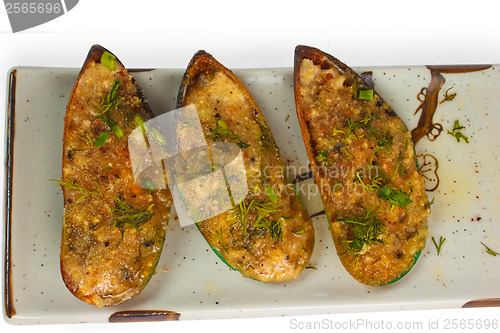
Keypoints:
(103, 137)
(149, 184)
(118, 131)
(430, 203)
(108, 60)
(366, 94)
(311, 267)
(276, 230)
(222, 133)
(344, 149)
(299, 231)
(271, 194)
(441, 242)
(218, 235)
(74, 186)
(322, 156)
(112, 100)
(126, 215)
(266, 136)
(456, 132)
(261, 213)
(337, 187)
(448, 97)
(378, 183)
(106, 170)
(490, 251)
(366, 230)
(108, 104)
(139, 121)
(337, 132)
(384, 140)
(395, 196)
(86, 139)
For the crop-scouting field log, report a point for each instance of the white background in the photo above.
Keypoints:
(260, 34)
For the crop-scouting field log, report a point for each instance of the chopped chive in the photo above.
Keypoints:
(299, 231)
(222, 133)
(108, 60)
(149, 184)
(118, 131)
(366, 94)
(271, 194)
(103, 137)
(337, 187)
(222, 124)
(139, 121)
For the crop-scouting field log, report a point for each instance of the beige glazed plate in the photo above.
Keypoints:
(191, 282)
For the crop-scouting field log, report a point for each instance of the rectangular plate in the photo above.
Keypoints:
(191, 280)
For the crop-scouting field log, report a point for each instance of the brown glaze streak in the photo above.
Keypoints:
(9, 167)
(483, 303)
(318, 214)
(143, 316)
(428, 96)
(303, 176)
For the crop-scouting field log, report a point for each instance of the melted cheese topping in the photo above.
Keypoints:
(97, 265)
(255, 251)
(355, 144)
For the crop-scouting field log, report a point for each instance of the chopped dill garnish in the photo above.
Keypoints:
(441, 242)
(430, 203)
(111, 101)
(126, 215)
(218, 235)
(74, 186)
(490, 251)
(266, 136)
(344, 149)
(261, 214)
(221, 132)
(366, 230)
(448, 97)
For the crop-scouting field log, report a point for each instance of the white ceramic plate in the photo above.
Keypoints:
(190, 279)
